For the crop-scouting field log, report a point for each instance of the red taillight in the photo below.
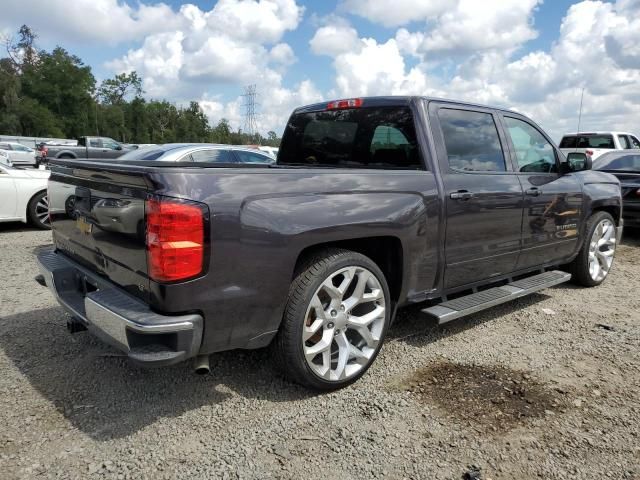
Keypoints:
(340, 104)
(638, 192)
(175, 239)
(589, 152)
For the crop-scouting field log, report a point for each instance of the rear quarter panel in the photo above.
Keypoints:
(263, 219)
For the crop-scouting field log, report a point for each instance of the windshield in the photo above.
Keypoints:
(629, 162)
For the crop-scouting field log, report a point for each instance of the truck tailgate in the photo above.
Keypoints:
(97, 218)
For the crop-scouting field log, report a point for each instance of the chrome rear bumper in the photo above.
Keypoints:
(117, 317)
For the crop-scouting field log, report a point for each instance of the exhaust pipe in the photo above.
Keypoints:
(202, 365)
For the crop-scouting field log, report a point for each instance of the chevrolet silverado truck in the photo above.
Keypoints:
(373, 204)
(87, 147)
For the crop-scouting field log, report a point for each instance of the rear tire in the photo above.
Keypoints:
(335, 320)
(593, 264)
(38, 211)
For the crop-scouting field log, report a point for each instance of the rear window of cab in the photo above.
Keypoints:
(368, 137)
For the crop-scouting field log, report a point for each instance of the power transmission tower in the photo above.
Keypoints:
(250, 104)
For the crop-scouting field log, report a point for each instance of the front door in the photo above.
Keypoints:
(553, 201)
(483, 195)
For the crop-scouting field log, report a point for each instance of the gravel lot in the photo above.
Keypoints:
(544, 387)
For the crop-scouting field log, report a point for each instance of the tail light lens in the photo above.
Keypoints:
(589, 152)
(175, 239)
(342, 104)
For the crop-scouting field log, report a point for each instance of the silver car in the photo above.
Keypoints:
(199, 153)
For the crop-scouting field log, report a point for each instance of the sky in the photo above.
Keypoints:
(533, 56)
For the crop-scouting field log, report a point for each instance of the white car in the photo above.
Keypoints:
(271, 151)
(20, 154)
(595, 144)
(24, 196)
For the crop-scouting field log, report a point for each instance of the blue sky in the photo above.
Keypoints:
(531, 55)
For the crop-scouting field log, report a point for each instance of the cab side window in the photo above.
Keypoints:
(635, 143)
(109, 143)
(533, 152)
(472, 141)
(624, 142)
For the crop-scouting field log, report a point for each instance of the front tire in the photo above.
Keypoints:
(592, 265)
(335, 320)
(38, 210)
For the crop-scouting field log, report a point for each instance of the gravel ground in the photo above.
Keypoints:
(544, 387)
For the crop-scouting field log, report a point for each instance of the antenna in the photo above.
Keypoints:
(250, 123)
(580, 112)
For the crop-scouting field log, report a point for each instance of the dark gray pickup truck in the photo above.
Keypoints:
(87, 147)
(373, 204)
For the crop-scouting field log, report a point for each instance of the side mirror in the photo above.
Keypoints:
(118, 147)
(579, 162)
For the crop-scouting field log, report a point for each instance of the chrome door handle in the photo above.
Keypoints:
(461, 195)
(534, 192)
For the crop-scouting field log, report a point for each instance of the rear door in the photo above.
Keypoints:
(22, 154)
(552, 209)
(483, 196)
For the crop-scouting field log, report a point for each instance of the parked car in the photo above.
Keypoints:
(373, 204)
(598, 143)
(20, 154)
(199, 153)
(87, 147)
(24, 196)
(626, 166)
(272, 151)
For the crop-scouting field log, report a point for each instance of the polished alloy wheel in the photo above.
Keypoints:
(42, 210)
(601, 250)
(344, 323)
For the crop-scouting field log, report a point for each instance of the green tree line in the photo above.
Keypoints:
(54, 94)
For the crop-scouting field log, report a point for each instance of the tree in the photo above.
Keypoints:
(23, 52)
(114, 90)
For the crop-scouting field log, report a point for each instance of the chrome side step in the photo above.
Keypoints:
(460, 307)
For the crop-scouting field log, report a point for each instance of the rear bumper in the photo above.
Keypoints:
(117, 318)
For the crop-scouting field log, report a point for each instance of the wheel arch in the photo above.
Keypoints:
(31, 199)
(385, 251)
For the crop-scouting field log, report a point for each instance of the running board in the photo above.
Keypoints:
(460, 307)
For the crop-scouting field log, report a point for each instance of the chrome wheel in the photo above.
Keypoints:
(602, 249)
(344, 323)
(42, 210)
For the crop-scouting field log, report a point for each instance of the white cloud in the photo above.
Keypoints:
(334, 39)
(96, 21)
(474, 26)
(392, 13)
(236, 42)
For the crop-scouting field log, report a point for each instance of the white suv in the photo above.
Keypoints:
(20, 154)
(595, 144)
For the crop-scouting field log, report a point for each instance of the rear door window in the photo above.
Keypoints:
(212, 155)
(95, 143)
(252, 157)
(366, 137)
(472, 141)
